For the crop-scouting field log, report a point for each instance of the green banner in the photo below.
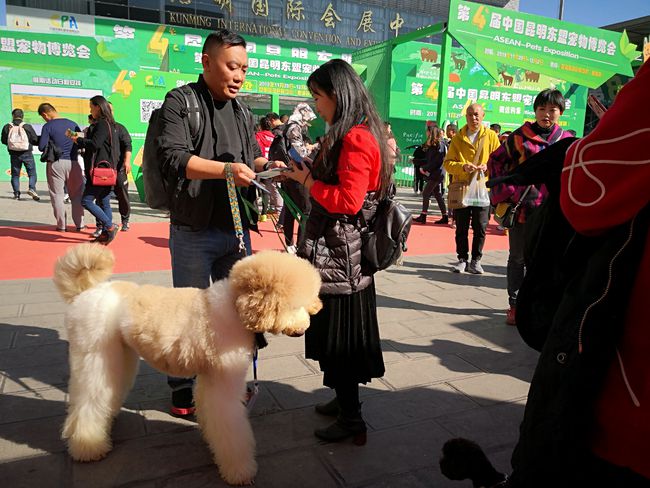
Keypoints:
(274, 66)
(499, 37)
(132, 64)
(507, 101)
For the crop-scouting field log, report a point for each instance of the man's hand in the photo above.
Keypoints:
(482, 167)
(242, 174)
(469, 168)
(127, 168)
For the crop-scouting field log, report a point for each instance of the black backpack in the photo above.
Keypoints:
(385, 234)
(156, 187)
(279, 149)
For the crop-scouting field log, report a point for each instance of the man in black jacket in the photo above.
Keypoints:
(19, 138)
(202, 238)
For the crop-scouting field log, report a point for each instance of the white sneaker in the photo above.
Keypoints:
(66, 198)
(475, 267)
(460, 266)
(292, 249)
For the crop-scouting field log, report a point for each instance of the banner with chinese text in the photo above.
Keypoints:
(499, 37)
(508, 101)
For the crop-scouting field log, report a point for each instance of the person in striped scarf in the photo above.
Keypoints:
(529, 139)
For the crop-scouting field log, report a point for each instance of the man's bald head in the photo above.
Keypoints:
(474, 116)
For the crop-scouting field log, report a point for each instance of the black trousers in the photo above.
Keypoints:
(478, 216)
(121, 191)
(300, 196)
(434, 187)
(418, 180)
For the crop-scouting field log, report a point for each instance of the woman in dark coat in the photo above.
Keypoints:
(350, 172)
(100, 144)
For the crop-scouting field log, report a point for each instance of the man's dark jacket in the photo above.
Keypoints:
(192, 201)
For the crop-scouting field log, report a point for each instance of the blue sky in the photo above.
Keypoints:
(589, 12)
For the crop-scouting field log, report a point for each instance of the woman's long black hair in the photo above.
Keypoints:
(104, 107)
(353, 106)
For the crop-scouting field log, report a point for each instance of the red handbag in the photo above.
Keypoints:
(103, 173)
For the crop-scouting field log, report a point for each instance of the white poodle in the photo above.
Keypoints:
(182, 332)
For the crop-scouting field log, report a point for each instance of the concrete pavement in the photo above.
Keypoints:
(453, 368)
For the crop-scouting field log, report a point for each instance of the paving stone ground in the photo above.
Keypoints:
(453, 368)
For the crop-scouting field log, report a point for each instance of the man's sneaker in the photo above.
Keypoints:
(183, 402)
(510, 316)
(125, 225)
(475, 267)
(421, 219)
(80, 228)
(66, 198)
(32, 193)
(292, 249)
(97, 233)
(263, 218)
(16, 196)
(443, 221)
(460, 266)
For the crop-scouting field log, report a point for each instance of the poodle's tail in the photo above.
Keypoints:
(82, 267)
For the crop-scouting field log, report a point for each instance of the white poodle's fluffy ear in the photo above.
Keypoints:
(272, 289)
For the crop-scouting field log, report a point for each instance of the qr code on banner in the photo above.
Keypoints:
(148, 106)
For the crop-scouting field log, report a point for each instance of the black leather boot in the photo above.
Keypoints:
(329, 409)
(344, 428)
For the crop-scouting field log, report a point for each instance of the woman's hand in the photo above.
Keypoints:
(298, 173)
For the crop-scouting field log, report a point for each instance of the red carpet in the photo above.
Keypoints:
(30, 252)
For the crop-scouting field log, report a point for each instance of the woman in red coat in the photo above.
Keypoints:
(351, 171)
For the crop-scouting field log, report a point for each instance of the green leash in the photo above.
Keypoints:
(234, 207)
(251, 393)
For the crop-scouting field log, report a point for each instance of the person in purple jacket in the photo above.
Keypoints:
(529, 139)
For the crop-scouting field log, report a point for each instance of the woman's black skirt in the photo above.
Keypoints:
(344, 338)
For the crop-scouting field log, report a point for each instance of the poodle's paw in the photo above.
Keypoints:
(86, 450)
(240, 475)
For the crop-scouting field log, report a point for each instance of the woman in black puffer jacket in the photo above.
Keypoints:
(350, 170)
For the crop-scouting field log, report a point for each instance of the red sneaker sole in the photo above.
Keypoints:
(183, 411)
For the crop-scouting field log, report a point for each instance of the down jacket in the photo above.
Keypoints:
(332, 243)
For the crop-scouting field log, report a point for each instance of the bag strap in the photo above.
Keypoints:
(479, 149)
(521, 199)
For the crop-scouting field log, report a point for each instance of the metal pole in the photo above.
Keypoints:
(561, 9)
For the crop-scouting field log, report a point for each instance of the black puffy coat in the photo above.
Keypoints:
(332, 243)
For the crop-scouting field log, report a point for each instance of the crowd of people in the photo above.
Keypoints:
(335, 181)
(71, 155)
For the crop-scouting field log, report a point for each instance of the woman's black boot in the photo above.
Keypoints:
(329, 409)
(344, 428)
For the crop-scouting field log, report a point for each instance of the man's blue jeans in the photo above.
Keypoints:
(200, 257)
(17, 162)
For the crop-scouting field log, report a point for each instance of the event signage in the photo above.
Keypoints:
(134, 65)
(499, 37)
(50, 21)
(274, 66)
(507, 101)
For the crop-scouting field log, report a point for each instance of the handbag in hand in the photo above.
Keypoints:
(104, 173)
(457, 190)
(505, 213)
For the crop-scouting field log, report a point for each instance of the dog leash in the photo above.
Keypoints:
(251, 393)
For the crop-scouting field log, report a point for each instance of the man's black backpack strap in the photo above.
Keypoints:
(192, 114)
(157, 189)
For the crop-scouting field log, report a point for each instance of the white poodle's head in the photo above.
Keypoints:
(275, 292)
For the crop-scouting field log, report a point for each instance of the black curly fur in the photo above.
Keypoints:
(464, 459)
